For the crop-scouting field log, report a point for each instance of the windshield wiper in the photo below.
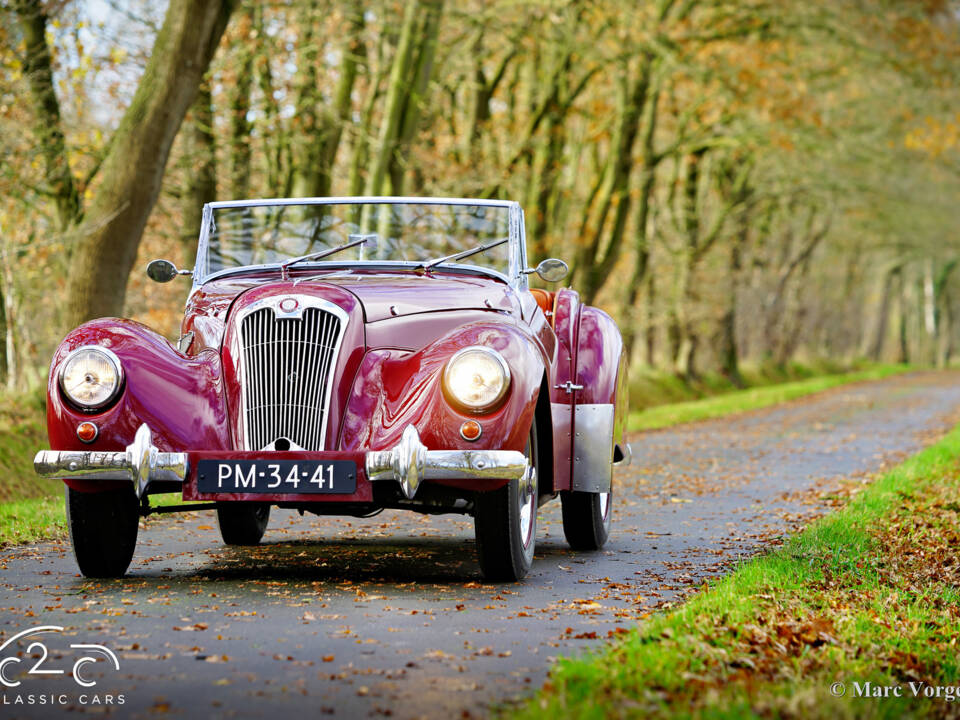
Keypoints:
(462, 254)
(354, 241)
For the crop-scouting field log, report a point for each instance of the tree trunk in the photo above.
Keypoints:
(4, 366)
(883, 315)
(240, 126)
(405, 75)
(727, 341)
(684, 295)
(200, 167)
(943, 315)
(37, 67)
(650, 325)
(133, 169)
(10, 337)
(321, 122)
(363, 133)
(945, 350)
(601, 249)
(642, 223)
(545, 172)
(414, 101)
(903, 354)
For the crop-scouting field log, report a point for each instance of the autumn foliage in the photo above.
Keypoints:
(759, 181)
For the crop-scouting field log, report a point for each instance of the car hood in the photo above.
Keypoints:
(388, 295)
(380, 296)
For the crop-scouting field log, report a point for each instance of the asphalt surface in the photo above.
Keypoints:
(387, 616)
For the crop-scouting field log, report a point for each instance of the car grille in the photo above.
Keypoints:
(287, 365)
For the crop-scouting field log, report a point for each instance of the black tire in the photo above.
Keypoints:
(243, 523)
(586, 518)
(103, 530)
(504, 549)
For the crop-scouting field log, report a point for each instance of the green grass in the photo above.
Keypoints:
(661, 416)
(23, 431)
(44, 518)
(31, 507)
(868, 593)
(24, 521)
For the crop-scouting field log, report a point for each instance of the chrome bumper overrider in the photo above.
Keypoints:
(408, 463)
(141, 463)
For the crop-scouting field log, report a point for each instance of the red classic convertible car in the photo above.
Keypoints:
(342, 356)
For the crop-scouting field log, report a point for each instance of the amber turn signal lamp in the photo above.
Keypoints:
(87, 432)
(470, 430)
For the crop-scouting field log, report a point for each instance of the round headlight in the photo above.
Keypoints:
(476, 378)
(90, 377)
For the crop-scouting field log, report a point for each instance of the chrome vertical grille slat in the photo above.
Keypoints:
(287, 360)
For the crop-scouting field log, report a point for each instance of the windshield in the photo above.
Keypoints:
(265, 234)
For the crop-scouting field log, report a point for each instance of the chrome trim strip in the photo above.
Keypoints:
(409, 463)
(360, 200)
(517, 259)
(365, 265)
(141, 463)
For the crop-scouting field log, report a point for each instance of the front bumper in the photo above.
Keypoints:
(408, 463)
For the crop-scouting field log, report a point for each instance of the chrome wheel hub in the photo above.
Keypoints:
(527, 497)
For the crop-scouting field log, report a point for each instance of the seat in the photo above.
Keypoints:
(545, 301)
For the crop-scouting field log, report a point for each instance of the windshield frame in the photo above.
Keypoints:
(517, 254)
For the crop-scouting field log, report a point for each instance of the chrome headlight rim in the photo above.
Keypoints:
(495, 402)
(111, 358)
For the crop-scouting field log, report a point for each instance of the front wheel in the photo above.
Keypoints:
(103, 530)
(586, 518)
(505, 521)
(243, 523)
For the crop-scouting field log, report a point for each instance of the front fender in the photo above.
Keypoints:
(181, 398)
(396, 388)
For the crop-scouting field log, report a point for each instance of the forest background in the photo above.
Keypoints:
(736, 182)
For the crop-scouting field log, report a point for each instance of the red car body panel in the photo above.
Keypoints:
(181, 398)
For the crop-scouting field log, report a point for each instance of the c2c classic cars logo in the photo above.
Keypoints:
(12, 665)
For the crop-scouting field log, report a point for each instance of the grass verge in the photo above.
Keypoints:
(33, 519)
(868, 594)
(44, 518)
(31, 507)
(661, 416)
(23, 431)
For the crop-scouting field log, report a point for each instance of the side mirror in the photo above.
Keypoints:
(164, 271)
(551, 270)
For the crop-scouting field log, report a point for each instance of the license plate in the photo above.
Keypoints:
(336, 477)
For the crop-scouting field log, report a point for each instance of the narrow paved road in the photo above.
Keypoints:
(386, 616)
